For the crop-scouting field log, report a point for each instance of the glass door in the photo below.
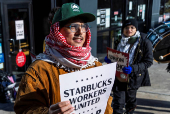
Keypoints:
(109, 23)
(18, 36)
(137, 9)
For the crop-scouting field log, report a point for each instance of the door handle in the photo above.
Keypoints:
(13, 45)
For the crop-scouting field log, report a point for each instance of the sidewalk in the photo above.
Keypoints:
(151, 100)
(6, 108)
(149, 103)
(155, 99)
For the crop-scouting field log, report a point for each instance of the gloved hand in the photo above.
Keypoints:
(107, 60)
(127, 70)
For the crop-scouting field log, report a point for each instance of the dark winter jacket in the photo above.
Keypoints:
(143, 59)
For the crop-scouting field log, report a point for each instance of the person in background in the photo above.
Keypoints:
(139, 48)
(67, 50)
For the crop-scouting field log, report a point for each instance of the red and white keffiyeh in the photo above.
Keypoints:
(76, 55)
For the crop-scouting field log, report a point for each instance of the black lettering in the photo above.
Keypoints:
(93, 86)
(112, 57)
(98, 111)
(104, 90)
(83, 105)
(88, 88)
(97, 99)
(121, 60)
(90, 95)
(95, 93)
(109, 81)
(105, 83)
(85, 96)
(99, 84)
(88, 103)
(73, 100)
(78, 91)
(92, 101)
(76, 107)
(100, 92)
(80, 98)
(83, 89)
(72, 91)
(119, 67)
(66, 94)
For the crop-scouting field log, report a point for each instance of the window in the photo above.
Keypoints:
(164, 11)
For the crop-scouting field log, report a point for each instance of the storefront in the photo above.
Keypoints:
(23, 27)
(32, 17)
(164, 13)
(110, 16)
(16, 34)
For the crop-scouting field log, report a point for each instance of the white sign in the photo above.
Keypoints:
(107, 18)
(88, 90)
(102, 16)
(130, 5)
(19, 28)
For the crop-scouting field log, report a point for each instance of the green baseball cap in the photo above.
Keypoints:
(70, 10)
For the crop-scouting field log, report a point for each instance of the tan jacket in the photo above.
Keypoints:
(39, 88)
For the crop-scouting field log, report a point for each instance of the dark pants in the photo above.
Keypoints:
(123, 99)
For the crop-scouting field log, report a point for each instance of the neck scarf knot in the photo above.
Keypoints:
(124, 46)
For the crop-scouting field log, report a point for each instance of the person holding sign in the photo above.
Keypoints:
(140, 59)
(67, 50)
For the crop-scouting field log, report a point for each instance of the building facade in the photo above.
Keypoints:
(24, 24)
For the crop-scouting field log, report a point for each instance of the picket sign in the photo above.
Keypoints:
(122, 60)
(88, 90)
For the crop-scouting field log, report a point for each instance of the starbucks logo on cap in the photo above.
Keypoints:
(75, 7)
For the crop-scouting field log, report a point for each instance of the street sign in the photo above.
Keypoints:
(19, 28)
(20, 59)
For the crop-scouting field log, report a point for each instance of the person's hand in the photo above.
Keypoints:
(127, 70)
(107, 60)
(61, 108)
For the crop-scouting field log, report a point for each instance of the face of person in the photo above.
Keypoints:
(74, 38)
(129, 31)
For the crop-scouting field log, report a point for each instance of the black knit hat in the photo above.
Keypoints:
(130, 22)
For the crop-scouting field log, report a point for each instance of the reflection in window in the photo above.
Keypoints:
(141, 12)
(103, 26)
(14, 15)
(103, 18)
(164, 13)
(116, 13)
(161, 12)
(102, 43)
(109, 23)
(131, 9)
(116, 22)
(136, 10)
